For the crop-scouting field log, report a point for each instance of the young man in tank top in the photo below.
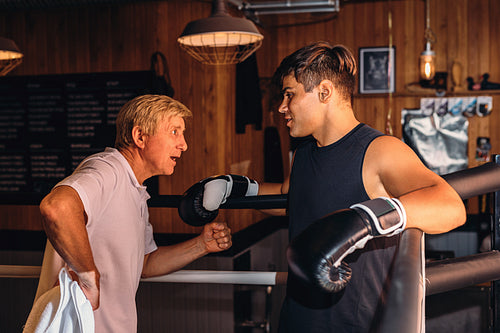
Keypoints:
(344, 163)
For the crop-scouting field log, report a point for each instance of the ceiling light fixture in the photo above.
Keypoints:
(10, 56)
(220, 39)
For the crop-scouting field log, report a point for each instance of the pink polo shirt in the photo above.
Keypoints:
(119, 232)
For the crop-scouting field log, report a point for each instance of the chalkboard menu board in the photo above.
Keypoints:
(49, 123)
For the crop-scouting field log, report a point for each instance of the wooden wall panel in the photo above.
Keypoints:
(494, 47)
(104, 38)
(455, 43)
(479, 40)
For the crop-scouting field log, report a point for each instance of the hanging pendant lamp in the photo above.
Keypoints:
(428, 56)
(10, 56)
(220, 39)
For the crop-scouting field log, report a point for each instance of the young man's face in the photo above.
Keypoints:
(299, 107)
(164, 148)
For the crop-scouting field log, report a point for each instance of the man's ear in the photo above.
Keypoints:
(325, 91)
(139, 137)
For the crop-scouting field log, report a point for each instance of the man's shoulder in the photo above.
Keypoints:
(109, 158)
(368, 130)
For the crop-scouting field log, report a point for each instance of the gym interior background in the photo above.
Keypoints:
(114, 36)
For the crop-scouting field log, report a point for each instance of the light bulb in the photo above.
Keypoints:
(427, 63)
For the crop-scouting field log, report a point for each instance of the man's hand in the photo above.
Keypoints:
(216, 236)
(89, 283)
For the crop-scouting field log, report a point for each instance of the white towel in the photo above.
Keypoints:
(61, 309)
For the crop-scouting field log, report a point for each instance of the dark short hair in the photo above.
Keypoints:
(319, 61)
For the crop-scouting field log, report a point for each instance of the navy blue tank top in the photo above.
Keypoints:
(323, 180)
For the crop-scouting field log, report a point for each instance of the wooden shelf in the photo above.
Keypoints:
(432, 94)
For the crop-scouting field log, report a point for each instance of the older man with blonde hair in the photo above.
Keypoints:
(97, 218)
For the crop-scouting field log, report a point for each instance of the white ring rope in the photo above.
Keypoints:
(182, 276)
(224, 277)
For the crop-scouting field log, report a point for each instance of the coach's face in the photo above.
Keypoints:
(161, 150)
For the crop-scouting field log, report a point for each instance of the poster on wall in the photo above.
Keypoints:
(377, 67)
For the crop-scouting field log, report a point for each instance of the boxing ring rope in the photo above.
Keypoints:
(468, 183)
(411, 280)
(182, 276)
(441, 275)
(224, 277)
(451, 274)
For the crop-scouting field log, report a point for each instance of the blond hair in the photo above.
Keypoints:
(146, 111)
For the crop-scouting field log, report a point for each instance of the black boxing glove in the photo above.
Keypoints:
(200, 203)
(315, 255)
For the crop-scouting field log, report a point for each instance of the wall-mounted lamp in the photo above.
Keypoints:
(220, 39)
(428, 57)
(10, 56)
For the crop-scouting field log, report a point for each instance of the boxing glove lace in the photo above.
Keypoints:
(200, 203)
(315, 255)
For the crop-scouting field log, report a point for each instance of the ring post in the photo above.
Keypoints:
(495, 238)
(405, 307)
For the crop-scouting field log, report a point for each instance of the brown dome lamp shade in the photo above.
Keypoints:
(10, 56)
(220, 39)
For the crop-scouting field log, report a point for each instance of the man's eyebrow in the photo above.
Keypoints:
(172, 126)
(180, 127)
(285, 89)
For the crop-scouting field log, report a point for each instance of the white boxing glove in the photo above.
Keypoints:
(219, 188)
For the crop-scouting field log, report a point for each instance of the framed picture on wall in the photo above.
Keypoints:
(377, 69)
